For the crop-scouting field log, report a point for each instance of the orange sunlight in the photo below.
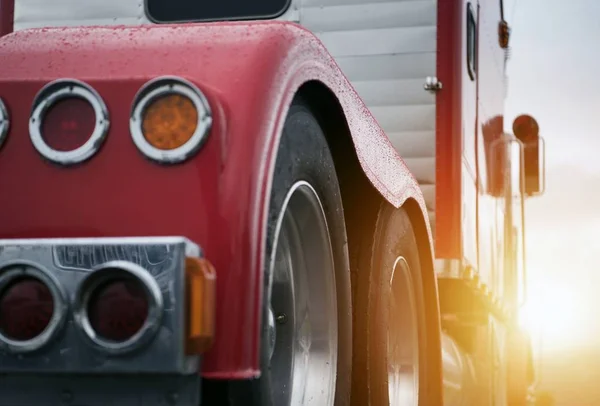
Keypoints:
(553, 317)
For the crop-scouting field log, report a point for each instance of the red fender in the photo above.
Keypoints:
(249, 73)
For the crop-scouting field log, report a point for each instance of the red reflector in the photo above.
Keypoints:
(26, 308)
(68, 124)
(118, 309)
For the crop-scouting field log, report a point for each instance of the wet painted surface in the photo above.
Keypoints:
(249, 72)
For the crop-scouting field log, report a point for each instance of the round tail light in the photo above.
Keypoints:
(171, 120)
(119, 307)
(26, 308)
(32, 308)
(69, 122)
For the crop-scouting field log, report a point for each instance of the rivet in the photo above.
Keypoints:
(281, 318)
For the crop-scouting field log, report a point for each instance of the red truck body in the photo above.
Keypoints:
(7, 9)
(471, 264)
(218, 198)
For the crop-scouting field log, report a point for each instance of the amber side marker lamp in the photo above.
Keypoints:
(527, 130)
(503, 34)
(200, 292)
(169, 121)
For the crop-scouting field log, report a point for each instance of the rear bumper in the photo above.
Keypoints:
(213, 199)
(68, 362)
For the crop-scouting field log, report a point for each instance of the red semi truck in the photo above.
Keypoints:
(278, 202)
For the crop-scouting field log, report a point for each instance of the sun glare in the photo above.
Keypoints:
(552, 316)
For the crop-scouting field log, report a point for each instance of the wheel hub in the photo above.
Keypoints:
(303, 306)
(403, 339)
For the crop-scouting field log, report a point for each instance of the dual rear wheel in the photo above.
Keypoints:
(314, 350)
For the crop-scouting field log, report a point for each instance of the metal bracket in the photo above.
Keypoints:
(432, 84)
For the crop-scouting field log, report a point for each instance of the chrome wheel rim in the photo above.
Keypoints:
(403, 339)
(302, 319)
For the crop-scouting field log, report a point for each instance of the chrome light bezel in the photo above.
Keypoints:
(54, 92)
(4, 122)
(163, 86)
(12, 270)
(97, 277)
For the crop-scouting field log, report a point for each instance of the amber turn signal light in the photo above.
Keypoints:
(503, 34)
(200, 291)
(169, 121)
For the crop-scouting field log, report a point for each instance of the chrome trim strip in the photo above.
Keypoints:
(4, 122)
(12, 270)
(52, 93)
(192, 249)
(162, 86)
(100, 275)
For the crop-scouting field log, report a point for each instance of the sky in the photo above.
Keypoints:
(553, 71)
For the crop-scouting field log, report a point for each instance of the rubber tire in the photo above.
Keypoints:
(393, 236)
(303, 154)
